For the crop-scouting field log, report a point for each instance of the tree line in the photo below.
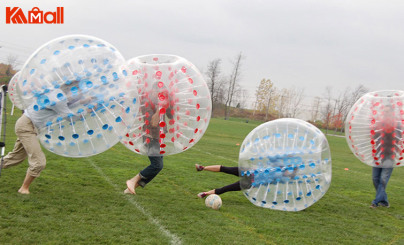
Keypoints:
(270, 102)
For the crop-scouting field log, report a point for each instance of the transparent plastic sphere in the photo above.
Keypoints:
(374, 129)
(12, 91)
(175, 105)
(285, 164)
(75, 90)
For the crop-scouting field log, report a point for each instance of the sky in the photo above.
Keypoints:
(296, 43)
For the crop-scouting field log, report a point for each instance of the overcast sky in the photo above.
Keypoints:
(301, 43)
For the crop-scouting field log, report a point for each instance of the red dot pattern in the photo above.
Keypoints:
(383, 118)
(180, 96)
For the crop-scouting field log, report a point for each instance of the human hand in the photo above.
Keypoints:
(155, 119)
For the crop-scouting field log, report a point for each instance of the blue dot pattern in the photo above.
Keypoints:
(285, 165)
(78, 73)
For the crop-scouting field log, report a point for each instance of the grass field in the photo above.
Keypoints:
(80, 201)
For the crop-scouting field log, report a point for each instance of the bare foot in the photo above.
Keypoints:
(23, 191)
(127, 191)
(131, 186)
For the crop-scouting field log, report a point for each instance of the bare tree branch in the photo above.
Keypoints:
(315, 108)
(213, 75)
(327, 110)
(351, 99)
(296, 96)
(234, 77)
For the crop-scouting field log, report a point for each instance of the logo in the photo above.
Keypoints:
(15, 15)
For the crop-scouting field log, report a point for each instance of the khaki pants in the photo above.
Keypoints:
(26, 145)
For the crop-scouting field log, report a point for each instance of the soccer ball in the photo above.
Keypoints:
(213, 201)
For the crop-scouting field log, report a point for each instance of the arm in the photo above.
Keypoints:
(155, 119)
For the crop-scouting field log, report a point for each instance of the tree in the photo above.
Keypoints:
(283, 103)
(289, 102)
(352, 98)
(9, 71)
(241, 97)
(341, 106)
(233, 79)
(315, 108)
(244, 98)
(296, 96)
(12, 61)
(356, 94)
(213, 75)
(327, 110)
(220, 93)
(265, 98)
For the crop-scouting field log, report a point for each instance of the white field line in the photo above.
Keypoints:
(174, 239)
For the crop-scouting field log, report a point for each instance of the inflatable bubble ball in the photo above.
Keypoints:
(175, 105)
(12, 92)
(374, 129)
(75, 90)
(285, 164)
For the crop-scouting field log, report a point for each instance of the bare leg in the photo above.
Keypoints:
(210, 192)
(132, 184)
(24, 189)
(228, 170)
(212, 168)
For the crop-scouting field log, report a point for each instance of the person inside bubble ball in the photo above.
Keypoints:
(26, 128)
(236, 186)
(156, 104)
(384, 137)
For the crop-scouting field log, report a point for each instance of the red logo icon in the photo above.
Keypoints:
(15, 15)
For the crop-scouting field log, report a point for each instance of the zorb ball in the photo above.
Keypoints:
(213, 201)
(285, 164)
(77, 93)
(374, 129)
(12, 91)
(175, 105)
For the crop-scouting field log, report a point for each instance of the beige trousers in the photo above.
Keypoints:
(26, 145)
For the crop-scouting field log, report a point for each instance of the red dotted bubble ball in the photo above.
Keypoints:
(175, 105)
(13, 93)
(374, 129)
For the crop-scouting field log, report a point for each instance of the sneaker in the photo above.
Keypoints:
(199, 167)
(202, 195)
(384, 204)
(373, 206)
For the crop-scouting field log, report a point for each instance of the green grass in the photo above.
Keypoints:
(80, 201)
